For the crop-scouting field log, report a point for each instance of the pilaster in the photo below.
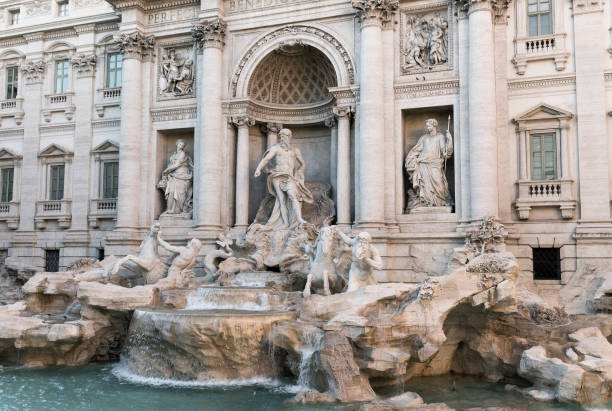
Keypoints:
(243, 123)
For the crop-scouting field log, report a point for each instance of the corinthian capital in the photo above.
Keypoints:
(375, 12)
(85, 65)
(135, 44)
(33, 71)
(499, 7)
(209, 33)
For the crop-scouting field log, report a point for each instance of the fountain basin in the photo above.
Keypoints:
(202, 344)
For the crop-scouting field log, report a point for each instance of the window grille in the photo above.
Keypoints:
(546, 264)
(52, 261)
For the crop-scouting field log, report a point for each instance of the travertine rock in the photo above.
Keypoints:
(405, 401)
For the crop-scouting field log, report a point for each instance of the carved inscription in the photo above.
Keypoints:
(168, 16)
(242, 5)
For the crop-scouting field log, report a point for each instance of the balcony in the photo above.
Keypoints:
(9, 213)
(58, 103)
(58, 210)
(551, 46)
(12, 108)
(102, 209)
(547, 193)
(108, 97)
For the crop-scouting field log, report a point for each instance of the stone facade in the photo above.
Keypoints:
(355, 81)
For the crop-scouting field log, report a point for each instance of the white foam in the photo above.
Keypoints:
(215, 299)
(122, 372)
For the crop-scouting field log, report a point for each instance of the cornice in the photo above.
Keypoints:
(173, 114)
(145, 5)
(60, 34)
(542, 82)
(429, 88)
(61, 127)
(106, 123)
(15, 131)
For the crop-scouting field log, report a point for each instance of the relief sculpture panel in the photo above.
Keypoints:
(177, 72)
(425, 40)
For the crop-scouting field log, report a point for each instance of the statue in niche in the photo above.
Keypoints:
(365, 259)
(426, 42)
(177, 75)
(176, 181)
(285, 182)
(426, 166)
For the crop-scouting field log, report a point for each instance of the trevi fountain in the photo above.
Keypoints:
(289, 315)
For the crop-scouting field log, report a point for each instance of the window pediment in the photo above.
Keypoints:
(543, 111)
(8, 155)
(107, 147)
(55, 150)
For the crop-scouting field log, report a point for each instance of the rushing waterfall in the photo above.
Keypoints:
(313, 342)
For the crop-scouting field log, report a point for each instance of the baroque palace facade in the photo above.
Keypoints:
(96, 94)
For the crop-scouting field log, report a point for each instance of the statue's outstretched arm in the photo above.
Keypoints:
(269, 155)
(346, 238)
(167, 246)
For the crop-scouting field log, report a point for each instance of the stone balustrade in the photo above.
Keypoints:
(551, 46)
(547, 193)
(12, 108)
(111, 94)
(100, 209)
(58, 210)
(9, 213)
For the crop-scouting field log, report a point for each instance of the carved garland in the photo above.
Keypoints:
(292, 31)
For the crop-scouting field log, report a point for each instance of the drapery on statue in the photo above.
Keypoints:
(365, 259)
(285, 182)
(177, 180)
(426, 166)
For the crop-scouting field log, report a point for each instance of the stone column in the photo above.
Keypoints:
(242, 171)
(332, 124)
(591, 111)
(84, 66)
(482, 111)
(209, 35)
(343, 170)
(371, 152)
(134, 46)
(271, 130)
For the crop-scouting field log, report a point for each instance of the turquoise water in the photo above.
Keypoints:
(108, 387)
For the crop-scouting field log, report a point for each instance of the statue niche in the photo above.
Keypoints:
(426, 167)
(177, 182)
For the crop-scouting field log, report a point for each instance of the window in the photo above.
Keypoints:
(543, 157)
(14, 17)
(546, 264)
(52, 261)
(111, 180)
(12, 78)
(100, 254)
(62, 8)
(540, 17)
(113, 70)
(7, 176)
(56, 191)
(61, 76)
